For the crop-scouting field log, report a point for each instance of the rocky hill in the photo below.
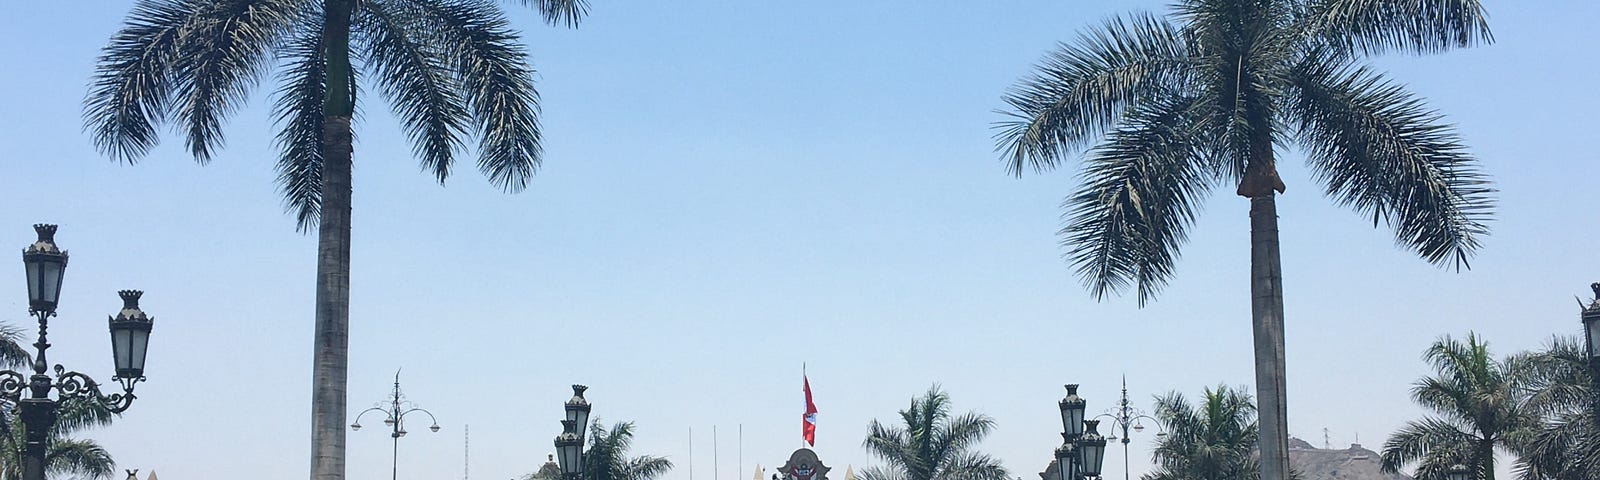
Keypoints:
(1354, 463)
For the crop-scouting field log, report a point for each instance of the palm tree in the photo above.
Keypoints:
(607, 457)
(1172, 108)
(64, 456)
(1562, 387)
(451, 69)
(1478, 406)
(1215, 440)
(931, 444)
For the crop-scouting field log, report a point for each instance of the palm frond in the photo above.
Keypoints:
(1080, 90)
(83, 459)
(646, 468)
(974, 466)
(13, 353)
(560, 12)
(130, 93)
(497, 86)
(1141, 191)
(75, 414)
(1376, 148)
(405, 61)
(223, 52)
(1421, 440)
(298, 112)
(1420, 26)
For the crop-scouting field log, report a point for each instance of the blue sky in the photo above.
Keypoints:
(734, 188)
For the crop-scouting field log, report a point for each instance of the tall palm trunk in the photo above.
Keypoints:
(1266, 311)
(330, 369)
(1266, 308)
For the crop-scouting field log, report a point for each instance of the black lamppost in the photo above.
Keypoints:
(1591, 336)
(1083, 450)
(569, 444)
(1121, 417)
(130, 336)
(394, 416)
(1457, 472)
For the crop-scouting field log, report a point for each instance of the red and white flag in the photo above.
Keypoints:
(809, 429)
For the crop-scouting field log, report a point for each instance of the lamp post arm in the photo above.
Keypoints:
(78, 385)
(358, 415)
(414, 409)
(12, 384)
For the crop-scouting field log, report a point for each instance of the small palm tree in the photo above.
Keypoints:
(607, 457)
(1215, 440)
(64, 456)
(451, 70)
(1565, 391)
(931, 444)
(1478, 405)
(1171, 109)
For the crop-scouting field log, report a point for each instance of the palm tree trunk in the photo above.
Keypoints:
(330, 367)
(1486, 452)
(1266, 310)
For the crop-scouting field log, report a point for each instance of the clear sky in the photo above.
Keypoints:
(733, 188)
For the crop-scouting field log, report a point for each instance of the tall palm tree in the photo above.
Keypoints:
(1478, 405)
(452, 70)
(1171, 108)
(1563, 390)
(64, 456)
(607, 457)
(1215, 440)
(930, 444)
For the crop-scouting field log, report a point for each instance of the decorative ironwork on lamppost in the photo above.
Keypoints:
(394, 416)
(46, 264)
(1121, 417)
(569, 444)
(1458, 472)
(1083, 449)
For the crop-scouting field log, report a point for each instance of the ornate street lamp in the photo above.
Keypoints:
(1457, 472)
(1072, 408)
(1091, 450)
(45, 265)
(1591, 328)
(569, 450)
(394, 417)
(578, 410)
(1121, 416)
(1067, 460)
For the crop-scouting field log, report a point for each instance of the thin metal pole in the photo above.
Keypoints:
(394, 459)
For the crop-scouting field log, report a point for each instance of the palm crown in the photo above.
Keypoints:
(452, 70)
(932, 444)
(1478, 406)
(1171, 107)
(1215, 440)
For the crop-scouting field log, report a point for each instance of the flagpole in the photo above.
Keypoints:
(691, 453)
(714, 462)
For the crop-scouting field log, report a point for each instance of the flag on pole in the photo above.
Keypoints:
(809, 429)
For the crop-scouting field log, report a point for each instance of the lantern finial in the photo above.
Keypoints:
(47, 239)
(130, 305)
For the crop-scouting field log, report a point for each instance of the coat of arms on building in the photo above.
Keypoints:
(803, 465)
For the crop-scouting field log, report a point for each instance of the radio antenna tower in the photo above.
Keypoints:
(466, 452)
